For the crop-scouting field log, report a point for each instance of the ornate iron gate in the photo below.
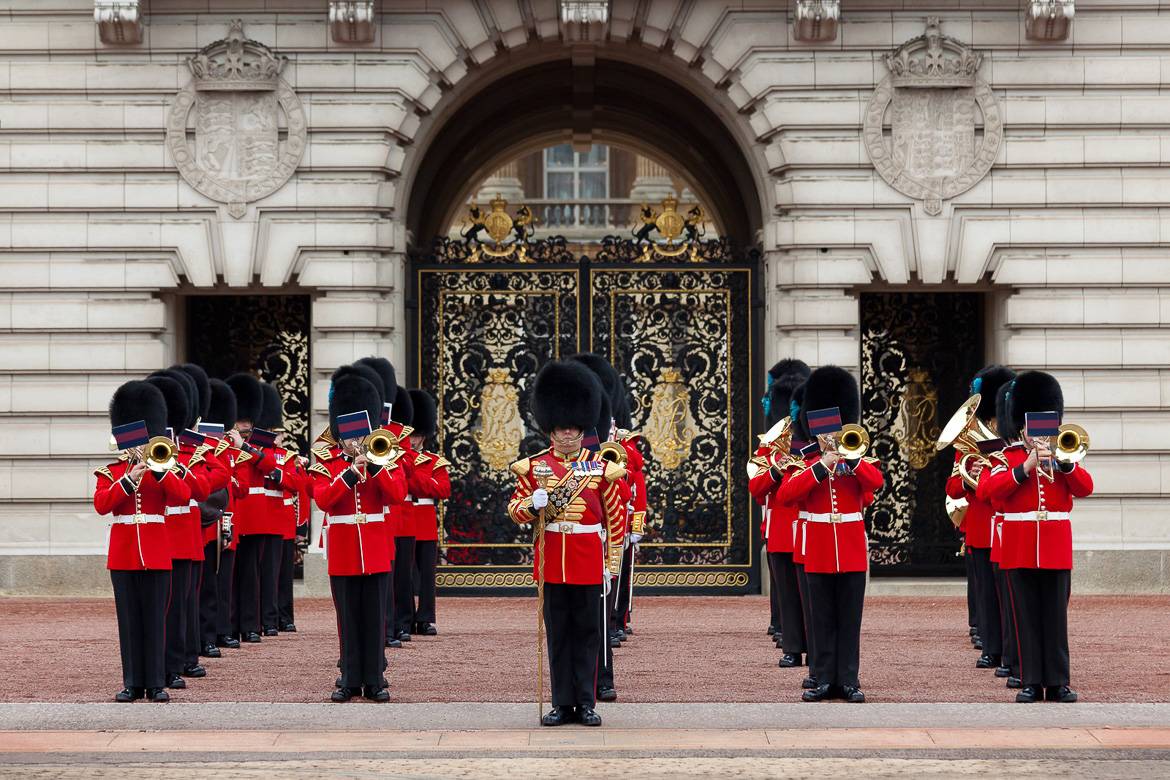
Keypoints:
(918, 354)
(678, 328)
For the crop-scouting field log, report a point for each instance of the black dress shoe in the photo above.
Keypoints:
(157, 695)
(210, 651)
(289, 628)
(194, 670)
(176, 682)
(587, 716)
(771, 630)
(1014, 682)
(270, 631)
(790, 660)
(853, 695)
(614, 642)
(987, 662)
(607, 694)
(230, 642)
(977, 642)
(393, 643)
(337, 682)
(403, 636)
(252, 636)
(808, 683)
(426, 629)
(128, 695)
(376, 694)
(343, 694)
(972, 631)
(629, 630)
(557, 716)
(819, 693)
(1029, 694)
(1060, 693)
(1003, 671)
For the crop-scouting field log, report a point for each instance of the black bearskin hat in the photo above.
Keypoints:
(1003, 413)
(175, 397)
(987, 383)
(566, 394)
(138, 400)
(249, 396)
(222, 409)
(830, 386)
(799, 427)
(197, 373)
(1034, 391)
(351, 393)
(366, 373)
(190, 392)
(403, 410)
(271, 409)
(784, 377)
(425, 419)
(615, 399)
(385, 371)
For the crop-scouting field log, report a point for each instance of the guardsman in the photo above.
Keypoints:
(804, 448)
(1011, 646)
(402, 517)
(179, 519)
(834, 487)
(352, 490)
(979, 526)
(1036, 490)
(432, 483)
(136, 493)
(218, 626)
(252, 507)
(766, 472)
(638, 521)
(576, 502)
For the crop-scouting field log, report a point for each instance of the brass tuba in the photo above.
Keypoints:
(778, 440)
(614, 452)
(159, 454)
(381, 447)
(965, 430)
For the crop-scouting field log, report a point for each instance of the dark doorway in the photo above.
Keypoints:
(918, 354)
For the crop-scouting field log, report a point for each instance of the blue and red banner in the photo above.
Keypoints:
(131, 435)
(355, 425)
(1042, 424)
(822, 422)
(214, 430)
(261, 438)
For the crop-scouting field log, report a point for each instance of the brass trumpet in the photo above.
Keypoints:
(159, 454)
(614, 452)
(965, 430)
(381, 447)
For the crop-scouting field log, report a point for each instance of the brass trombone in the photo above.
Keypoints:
(614, 452)
(159, 454)
(851, 441)
(1070, 445)
(381, 447)
(965, 430)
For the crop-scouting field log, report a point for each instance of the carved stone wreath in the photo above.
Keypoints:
(936, 101)
(236, 155)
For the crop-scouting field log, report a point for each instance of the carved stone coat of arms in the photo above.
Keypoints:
(225, 129)
(933, 127)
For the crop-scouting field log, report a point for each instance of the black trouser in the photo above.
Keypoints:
(403, 583)
(605, 652)
(193, 635)
(284, 600)
(270, 556)
(257, 566)
(836, 602)
(426, 559)
(987, 604)
(176, 627)
(388, 613)
(209, 596)
(360, 603)
(140, 600)
(227, 618)
(810, 640)
(775, 616)
(969, 562)
(574, 634)
(621, 612)
(1041, 598)
(787, 593)
(1007, 622)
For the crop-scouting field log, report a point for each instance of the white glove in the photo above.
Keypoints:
(539, 498)
(635, 538)
(608, 582)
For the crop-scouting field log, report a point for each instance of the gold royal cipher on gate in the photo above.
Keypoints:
(680, 234)
(509, 236)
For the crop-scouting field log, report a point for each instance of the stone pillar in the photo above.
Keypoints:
(653, 182)
(505, 182)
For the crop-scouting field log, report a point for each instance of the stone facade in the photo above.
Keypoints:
(100, 235)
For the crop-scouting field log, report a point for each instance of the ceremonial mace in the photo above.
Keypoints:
(543, 473)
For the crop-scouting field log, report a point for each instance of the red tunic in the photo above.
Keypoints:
(780, 518)
(1036, 530)
(432, 483)
(142, 545)
(584, 538)
(355, 540)
(183, 522)
(284, 485)
(219, 475)
(402, 515)
(835, 540)
(636, 479)
(253, 507)
(977, 523)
